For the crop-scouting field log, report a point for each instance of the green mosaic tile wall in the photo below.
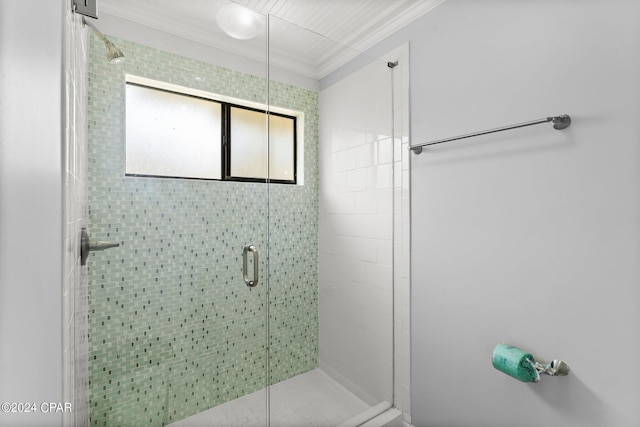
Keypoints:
(173, 328)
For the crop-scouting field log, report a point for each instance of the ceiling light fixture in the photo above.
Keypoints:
(240, 22)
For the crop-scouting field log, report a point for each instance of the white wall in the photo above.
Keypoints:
(530, 236)
(30, 208)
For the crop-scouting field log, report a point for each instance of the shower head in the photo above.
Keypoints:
(114, 55)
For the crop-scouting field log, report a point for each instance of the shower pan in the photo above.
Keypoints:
(226, 298)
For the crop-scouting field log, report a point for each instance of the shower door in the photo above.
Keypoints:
(178, 312)
(219, 292)
(331, 238)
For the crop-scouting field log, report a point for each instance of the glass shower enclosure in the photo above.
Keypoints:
(209, 307)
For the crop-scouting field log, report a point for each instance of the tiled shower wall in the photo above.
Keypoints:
(75, 286)
(173, 328)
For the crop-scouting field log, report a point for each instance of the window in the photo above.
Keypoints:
(168, 134)
(172, 131)
(248, 157)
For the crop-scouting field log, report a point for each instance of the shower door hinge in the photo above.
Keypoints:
(86, 7)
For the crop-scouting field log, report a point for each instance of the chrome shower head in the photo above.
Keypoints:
(114, 55)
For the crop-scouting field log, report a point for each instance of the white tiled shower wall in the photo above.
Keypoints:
(75, 278)
(363, 180)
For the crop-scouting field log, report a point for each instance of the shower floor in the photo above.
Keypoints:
(311, 399)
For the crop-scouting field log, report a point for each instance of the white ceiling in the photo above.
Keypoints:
(309, 37)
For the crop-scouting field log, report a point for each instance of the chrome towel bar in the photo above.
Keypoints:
(559, 122)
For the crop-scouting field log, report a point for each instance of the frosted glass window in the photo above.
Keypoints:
(173, 135)
(282, 148)
(250, 146)
(178, 132)
(248, 143)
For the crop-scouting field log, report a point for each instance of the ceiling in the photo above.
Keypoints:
(309, 37)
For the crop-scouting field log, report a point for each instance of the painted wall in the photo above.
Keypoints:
(30, 208)
(532, 236)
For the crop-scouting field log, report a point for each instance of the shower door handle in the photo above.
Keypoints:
(250, 282)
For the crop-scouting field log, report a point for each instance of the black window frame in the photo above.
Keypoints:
(227, 140)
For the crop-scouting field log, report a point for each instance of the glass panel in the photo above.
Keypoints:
(281, 148)
(248, 143)
(170, 134)
(331, 263)
(175, 332)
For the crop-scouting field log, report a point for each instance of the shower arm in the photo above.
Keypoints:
(95, 30)
(114, 55)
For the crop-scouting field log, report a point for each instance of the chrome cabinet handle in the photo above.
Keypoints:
(87, 245)
(252, 249)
